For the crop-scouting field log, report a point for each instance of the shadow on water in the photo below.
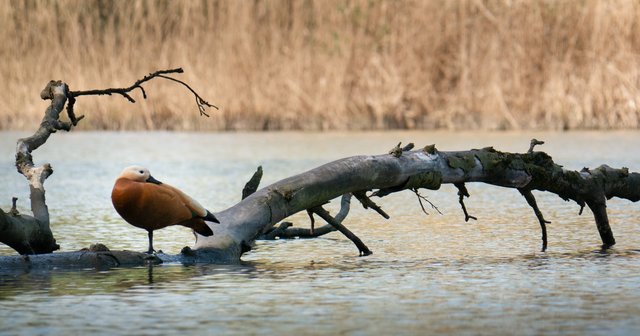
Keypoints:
(91, 281)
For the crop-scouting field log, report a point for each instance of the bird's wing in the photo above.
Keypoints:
(166, 202)
(196, 208)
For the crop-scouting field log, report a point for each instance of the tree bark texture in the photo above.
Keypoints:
(27, 234)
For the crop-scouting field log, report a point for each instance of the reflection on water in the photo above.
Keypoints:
(428, 274)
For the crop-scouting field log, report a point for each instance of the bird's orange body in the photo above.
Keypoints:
(151, 205)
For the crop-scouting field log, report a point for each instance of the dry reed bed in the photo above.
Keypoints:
(318, 65)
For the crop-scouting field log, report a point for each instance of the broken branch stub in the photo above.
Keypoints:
(26, 234)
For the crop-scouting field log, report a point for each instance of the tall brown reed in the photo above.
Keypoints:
(318, 65)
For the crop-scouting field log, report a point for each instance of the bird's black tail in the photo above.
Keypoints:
(210, 217)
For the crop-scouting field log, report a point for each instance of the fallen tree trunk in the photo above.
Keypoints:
(255, 216)
(427, 168)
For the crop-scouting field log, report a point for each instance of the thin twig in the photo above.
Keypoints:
(200, 102)
(420, 198)
(124, 91)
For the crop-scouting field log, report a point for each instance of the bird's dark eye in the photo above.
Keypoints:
(141, 172)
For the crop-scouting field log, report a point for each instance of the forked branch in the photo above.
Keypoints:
(200, 102)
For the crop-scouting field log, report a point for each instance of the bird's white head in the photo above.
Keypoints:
(135, 173)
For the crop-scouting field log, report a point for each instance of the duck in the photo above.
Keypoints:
(149, 204)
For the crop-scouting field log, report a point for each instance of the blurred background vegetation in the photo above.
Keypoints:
(329, 64)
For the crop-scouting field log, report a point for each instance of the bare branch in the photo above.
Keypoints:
(313, 222)
(531, 200)
(199, 101)
(362, 248)
(368, 203)
(420, 198)
(462, 193)
(286, 230)
(124, 91)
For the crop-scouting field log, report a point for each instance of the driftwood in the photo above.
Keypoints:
(364, 177)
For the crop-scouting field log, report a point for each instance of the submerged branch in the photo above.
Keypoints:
(362, 248)
(286, 230)
(531, 200)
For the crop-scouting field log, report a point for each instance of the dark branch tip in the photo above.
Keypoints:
(430, 149)
(397, 150)
(408, 147)
(126, 95)
(534, 142)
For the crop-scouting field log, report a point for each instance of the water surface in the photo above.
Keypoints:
(428, 274)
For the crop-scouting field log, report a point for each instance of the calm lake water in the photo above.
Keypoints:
(429, 274)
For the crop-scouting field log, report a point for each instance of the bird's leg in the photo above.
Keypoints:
(151, 250)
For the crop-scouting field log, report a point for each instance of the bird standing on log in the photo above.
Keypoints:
(149, 204)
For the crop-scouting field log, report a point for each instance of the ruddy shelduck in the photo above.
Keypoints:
(149, 204)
